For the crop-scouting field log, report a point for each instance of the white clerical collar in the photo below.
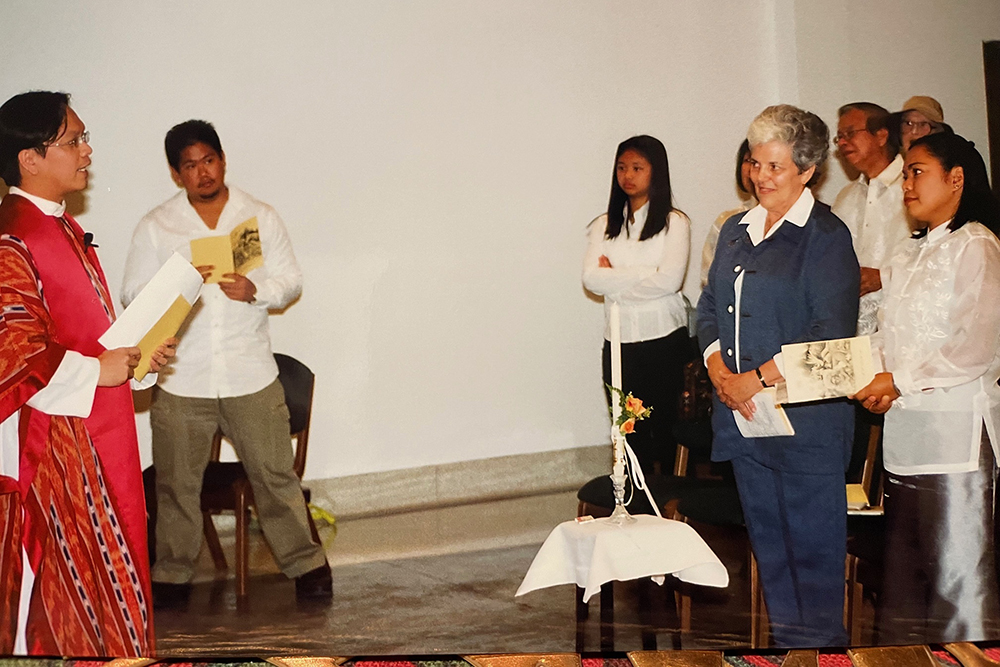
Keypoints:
(44, 205)
(798, 215)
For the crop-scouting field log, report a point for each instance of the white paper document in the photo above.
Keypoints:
(768, 421)
(157, 312)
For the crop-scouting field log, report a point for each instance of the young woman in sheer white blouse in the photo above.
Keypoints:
(637, 256)
(939, 331)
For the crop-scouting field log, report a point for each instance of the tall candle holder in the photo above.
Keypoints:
(625, 411)
(620, 515)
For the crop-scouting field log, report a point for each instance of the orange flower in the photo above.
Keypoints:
(633, 405)
(628, 426)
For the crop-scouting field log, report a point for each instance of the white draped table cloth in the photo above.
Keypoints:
(592, 553)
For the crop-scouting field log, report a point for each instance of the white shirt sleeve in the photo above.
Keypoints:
(640, 282)
(70, 391)
(606, 281)
(141, 264)
(714, 346)
(975, 316)
(146, 382)
(711, 241)
(668, 276)
(279, 281)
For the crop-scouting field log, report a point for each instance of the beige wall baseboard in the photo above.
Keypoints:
(460, 483)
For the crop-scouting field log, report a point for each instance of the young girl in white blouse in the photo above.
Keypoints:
(939, 331)
(637, 256)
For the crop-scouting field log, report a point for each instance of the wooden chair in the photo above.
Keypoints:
(225, 486)
(865, 537)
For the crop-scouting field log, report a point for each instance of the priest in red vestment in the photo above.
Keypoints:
(74, 570)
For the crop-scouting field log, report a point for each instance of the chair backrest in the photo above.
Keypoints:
(298, 382)
(696, 395)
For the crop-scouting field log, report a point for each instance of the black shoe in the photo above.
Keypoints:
(315, 584)
(170, 596)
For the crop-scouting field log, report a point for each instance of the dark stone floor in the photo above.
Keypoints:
(459, 603)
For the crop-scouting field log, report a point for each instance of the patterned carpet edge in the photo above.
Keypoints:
(758, 659)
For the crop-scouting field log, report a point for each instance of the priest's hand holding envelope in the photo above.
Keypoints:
(118, 365)
(163, 354)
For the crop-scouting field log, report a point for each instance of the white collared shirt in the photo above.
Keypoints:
(645, 277)
(875, 214)
(225, 345)
(755, 220)
(939, 330)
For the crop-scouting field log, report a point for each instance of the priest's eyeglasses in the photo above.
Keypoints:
(73, 143)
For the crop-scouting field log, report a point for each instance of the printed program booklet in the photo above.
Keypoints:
(768, 421)
(827, 369)
(239, 251)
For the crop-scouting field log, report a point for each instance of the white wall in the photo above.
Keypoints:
(436, 164)
(886, 52)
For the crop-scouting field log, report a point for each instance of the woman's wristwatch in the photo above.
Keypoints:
(760, 377)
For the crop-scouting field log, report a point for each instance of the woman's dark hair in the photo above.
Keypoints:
(978, 203)
(741, 155)
(189, 133)
(29, 121)
(661, 201)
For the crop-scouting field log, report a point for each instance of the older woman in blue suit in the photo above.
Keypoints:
(785, 272)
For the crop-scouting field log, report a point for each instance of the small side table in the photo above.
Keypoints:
(593, 553)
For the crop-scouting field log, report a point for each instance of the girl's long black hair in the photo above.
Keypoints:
(661, 200)
(978, 203)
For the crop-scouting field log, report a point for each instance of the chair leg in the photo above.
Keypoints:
(242, 539)
(853, 600)
(682, 599)
(212, 539)
(758, 610)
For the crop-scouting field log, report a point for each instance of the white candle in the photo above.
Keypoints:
(615, 325)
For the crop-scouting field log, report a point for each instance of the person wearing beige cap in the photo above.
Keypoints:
(921, 115)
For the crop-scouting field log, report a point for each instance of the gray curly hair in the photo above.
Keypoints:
(804, 132)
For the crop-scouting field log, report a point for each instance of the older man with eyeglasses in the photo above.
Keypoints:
(872, 205)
